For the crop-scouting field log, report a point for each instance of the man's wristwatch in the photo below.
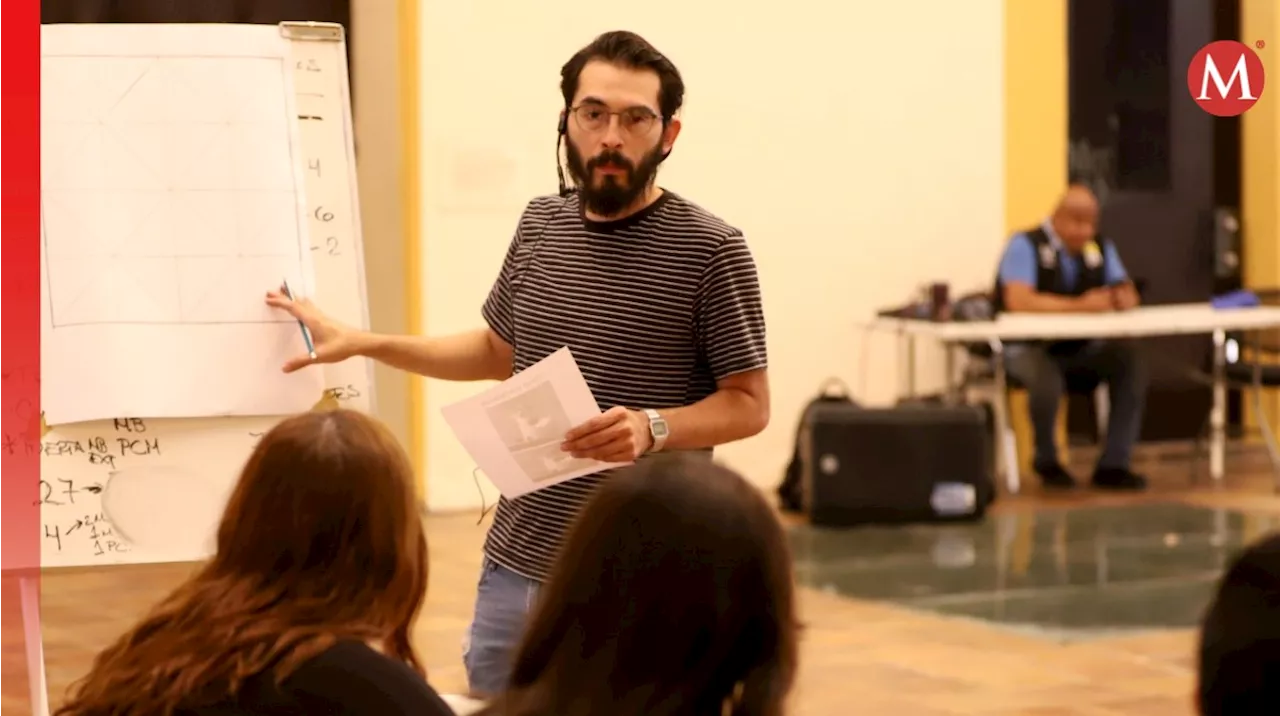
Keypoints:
(658, 429)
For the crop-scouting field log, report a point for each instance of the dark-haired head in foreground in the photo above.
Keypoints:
(674, 595)
(1239, 656)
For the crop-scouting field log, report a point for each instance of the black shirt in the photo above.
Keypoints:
(349, 678)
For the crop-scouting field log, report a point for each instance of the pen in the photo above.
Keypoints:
(306, 333)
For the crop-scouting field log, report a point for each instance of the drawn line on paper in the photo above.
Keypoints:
(532, 424)
(173, 302)
(141, 75)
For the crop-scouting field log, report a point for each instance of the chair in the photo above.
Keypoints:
(1256, 366)
(980, 375)
(980, 372)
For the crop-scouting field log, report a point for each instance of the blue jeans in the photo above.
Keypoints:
(503, 603)
(1118, 363)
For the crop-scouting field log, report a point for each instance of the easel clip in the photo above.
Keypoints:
(324, 31)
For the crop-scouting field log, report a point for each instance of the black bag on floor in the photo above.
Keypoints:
(921, 461)
(791, 491)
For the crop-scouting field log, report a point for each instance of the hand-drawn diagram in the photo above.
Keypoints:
(170, 193)
(514, 430)
(544, 462)
(530, 418)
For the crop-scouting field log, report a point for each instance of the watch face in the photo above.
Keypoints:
(659, 430)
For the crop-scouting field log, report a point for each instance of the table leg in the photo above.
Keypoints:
(1218, 413)
(1000, 411)
(898, 345)
(911, 366)
(951, 390)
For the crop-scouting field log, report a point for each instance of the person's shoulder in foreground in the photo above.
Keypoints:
(352, 677)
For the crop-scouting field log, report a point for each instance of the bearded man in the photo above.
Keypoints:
(658, 300)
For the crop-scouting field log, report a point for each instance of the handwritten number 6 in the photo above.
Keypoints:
(323, 215)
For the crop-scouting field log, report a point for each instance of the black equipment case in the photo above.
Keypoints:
(914, 462)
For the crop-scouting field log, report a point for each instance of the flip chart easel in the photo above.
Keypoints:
(36, 677)
(78, 461)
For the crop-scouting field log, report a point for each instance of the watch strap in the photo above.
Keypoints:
(657, 429)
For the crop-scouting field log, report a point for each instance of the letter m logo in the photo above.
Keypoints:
(1226, 78)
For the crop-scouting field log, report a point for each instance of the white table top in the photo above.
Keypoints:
(462, 705)
(1177, 319)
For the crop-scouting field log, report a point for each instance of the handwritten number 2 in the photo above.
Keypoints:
(46, 494)
(332, 243)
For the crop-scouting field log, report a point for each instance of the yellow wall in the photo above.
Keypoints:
(410, 196)
(382, 87)
(1035, 108)
(860, 148)
(1260, 220)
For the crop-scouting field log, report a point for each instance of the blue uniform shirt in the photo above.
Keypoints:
(1020, 263)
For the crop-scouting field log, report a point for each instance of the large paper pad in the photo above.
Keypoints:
(171, 202)
(514, 430)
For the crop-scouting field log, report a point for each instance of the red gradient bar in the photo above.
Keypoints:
(19, 344)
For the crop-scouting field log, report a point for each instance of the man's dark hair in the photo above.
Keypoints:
(1239, 654)
(629, 50)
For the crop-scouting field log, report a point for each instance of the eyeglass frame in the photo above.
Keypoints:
(650, 116)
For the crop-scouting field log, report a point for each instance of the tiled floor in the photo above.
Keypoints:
(1068, 573)
(1081, 604)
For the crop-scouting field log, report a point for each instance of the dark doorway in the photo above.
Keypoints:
(1165, 172)
(237, 11)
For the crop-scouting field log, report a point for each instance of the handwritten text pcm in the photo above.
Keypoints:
(103, 450)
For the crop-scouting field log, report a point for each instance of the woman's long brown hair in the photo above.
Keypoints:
(321, 541)
(674, 596)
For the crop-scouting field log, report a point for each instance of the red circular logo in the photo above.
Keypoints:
(1226, 78)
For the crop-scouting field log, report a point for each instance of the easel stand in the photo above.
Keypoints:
(36, 677)
(28, 581)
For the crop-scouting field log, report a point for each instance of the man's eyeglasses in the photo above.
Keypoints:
(595, 118)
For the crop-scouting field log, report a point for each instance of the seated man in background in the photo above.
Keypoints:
(1063, 266)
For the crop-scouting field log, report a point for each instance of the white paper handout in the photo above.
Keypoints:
(514, 430)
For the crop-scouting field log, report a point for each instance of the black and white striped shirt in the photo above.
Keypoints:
(655, 307)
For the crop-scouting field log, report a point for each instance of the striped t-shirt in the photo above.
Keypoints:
(655, 308)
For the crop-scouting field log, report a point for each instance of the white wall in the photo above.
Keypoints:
(859, 146)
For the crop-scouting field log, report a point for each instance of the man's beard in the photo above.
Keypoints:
(614, 194)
